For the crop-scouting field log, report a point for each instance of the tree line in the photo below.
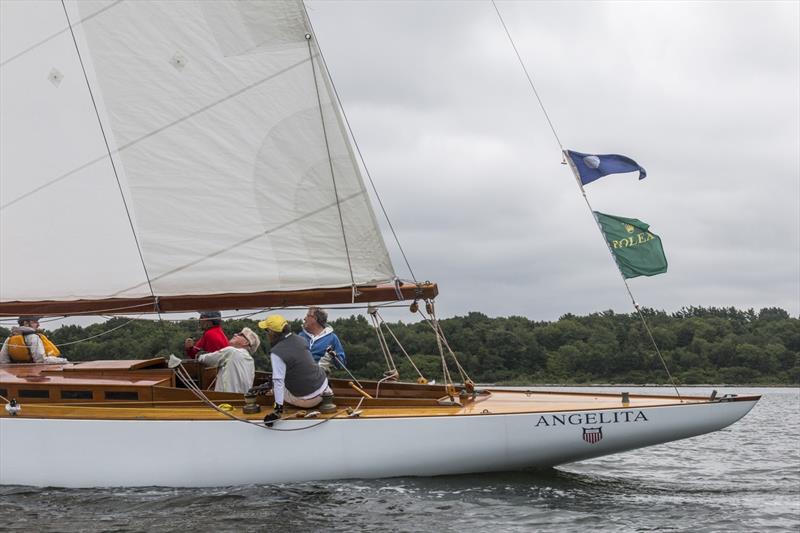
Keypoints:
(699, 345)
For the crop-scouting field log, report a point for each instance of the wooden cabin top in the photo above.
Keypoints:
(98, 373)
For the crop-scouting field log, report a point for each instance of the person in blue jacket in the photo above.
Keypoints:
(319, 335)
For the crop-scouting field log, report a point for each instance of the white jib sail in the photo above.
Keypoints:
(227, 142)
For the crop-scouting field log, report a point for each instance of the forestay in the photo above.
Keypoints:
(226, 139)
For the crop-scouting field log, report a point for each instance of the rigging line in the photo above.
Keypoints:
(399, 344)
(110, 158)
(158, 130)
(439, 332)
(56, 34)
(330, 162)
(183, 374)
(655, 345)
(530, 80)
(382, 342)
(358, 150)
(243, 241)
(99, 334)
(344, 367)
(576, 174)
(448, 380)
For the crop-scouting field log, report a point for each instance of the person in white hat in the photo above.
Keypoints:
(235, 362)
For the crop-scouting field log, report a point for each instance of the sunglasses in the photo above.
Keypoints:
(242, 336)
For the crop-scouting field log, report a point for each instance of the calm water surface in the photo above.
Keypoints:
(743, 478)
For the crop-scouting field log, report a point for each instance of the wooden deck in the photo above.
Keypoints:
(147, 390)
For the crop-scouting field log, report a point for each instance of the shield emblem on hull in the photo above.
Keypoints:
(593, 435)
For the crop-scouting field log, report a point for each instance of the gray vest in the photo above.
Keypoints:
(303, 375)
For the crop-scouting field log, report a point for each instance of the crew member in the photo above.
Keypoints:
(320, 335)
(29, 345)
(237, 370)
(213, 338)
(296, 378)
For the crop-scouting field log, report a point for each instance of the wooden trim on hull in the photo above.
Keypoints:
(497, 403)
(170, 304)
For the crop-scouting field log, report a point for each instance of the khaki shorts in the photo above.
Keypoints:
(303, 402)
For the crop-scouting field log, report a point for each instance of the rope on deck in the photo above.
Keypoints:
(184, 376)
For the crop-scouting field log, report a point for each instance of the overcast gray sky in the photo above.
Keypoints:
(704, 95)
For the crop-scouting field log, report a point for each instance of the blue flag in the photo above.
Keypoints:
(591, 167)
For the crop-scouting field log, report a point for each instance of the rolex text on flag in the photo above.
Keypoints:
(591, 167)
(638, 252)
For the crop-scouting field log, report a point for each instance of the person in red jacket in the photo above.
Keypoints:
(213, 338)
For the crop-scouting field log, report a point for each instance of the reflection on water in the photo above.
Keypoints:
(744, 478)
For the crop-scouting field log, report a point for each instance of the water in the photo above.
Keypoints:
(743, 478)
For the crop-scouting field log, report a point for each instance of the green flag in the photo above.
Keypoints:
(638, 252)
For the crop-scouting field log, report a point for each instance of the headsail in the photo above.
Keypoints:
(228, 145)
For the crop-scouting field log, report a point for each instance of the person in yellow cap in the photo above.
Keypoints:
(296, 378)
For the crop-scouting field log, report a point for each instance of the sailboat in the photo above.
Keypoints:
(197, 158)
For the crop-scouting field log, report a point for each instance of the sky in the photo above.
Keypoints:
(704, 95)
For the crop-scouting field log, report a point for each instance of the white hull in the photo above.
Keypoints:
(184, 453)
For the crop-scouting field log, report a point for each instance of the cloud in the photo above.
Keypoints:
(703, 95)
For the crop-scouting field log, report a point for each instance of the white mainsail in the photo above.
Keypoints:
(227, 142)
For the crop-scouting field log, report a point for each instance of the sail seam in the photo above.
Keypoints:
(56, 34)
(155, 132)
(247, 240)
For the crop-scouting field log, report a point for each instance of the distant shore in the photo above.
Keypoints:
(701, 347)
